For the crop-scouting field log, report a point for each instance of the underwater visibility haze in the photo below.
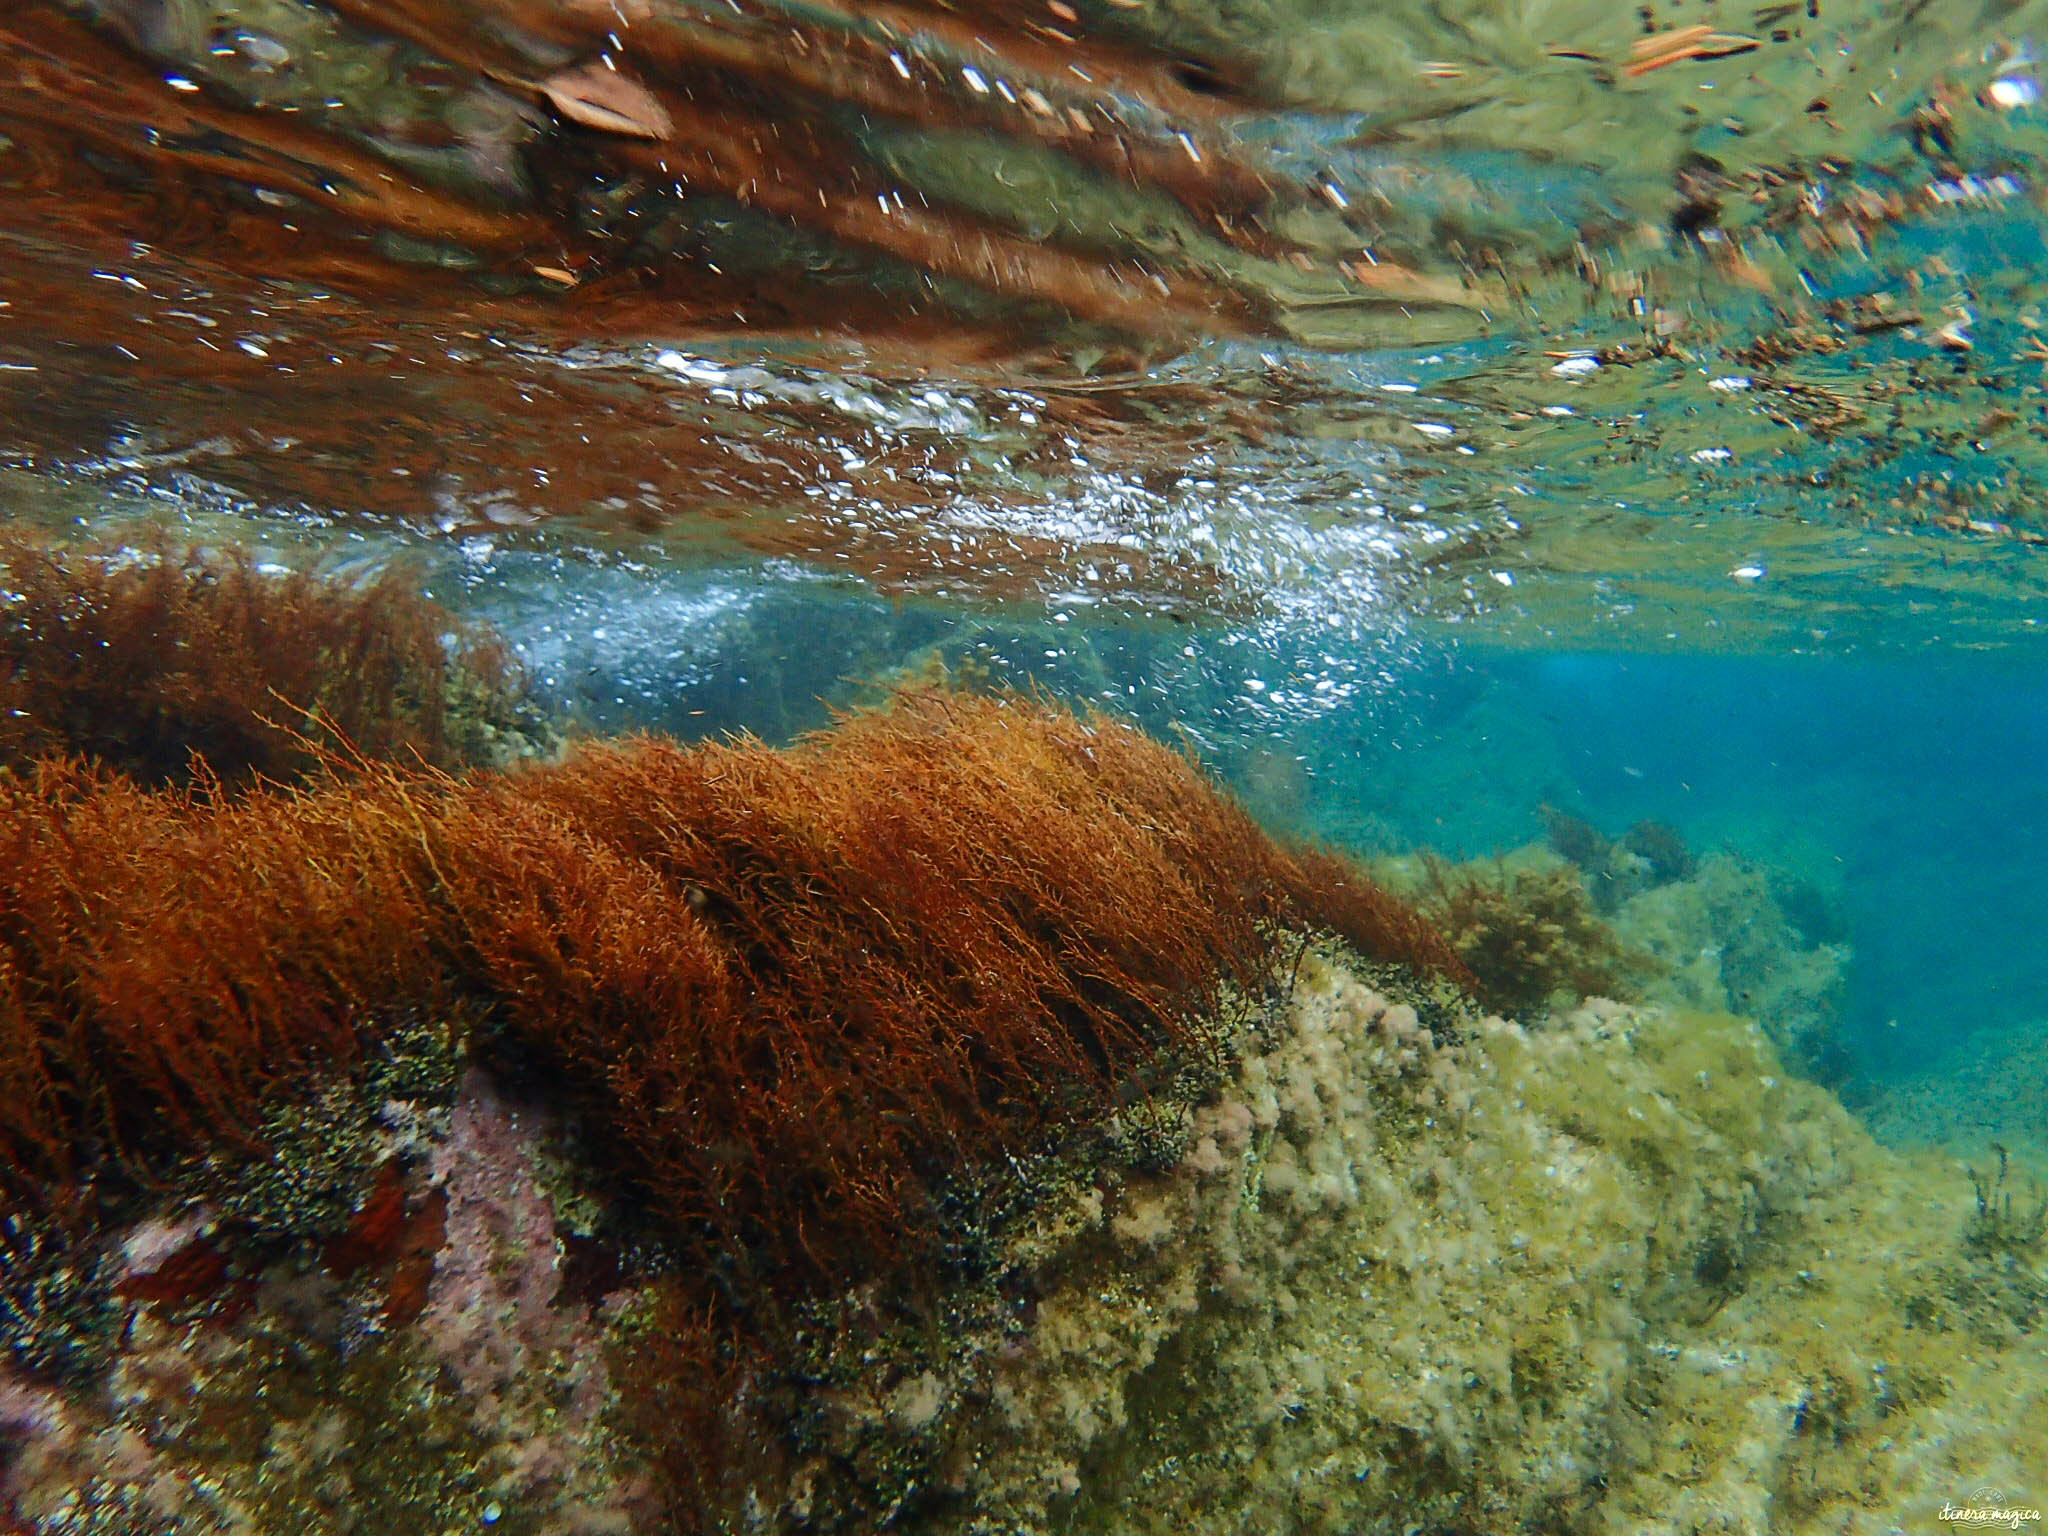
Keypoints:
(853, 766)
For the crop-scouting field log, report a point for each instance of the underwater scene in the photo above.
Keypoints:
(1086, 766)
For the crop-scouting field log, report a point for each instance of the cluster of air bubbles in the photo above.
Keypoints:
(871, 404)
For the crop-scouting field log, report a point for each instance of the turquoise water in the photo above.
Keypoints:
(1909, 785)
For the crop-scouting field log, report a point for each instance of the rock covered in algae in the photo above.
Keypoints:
(1619, 1274)
(1736, 935)
(425, 1369)
(1720, 933)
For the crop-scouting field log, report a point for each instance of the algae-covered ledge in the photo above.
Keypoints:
(1619, 1273)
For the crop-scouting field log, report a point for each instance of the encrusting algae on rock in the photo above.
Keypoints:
(1621, 1274)
(949, 1125)
(1618, 1275)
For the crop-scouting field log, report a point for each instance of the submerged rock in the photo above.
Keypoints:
(1623, 1273)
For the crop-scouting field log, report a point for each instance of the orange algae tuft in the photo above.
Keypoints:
(785, 990)
(787, 999)
(191, 665)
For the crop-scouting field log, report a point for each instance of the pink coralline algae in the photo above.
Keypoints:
(51, 1457)
(438, 1320)
(529, 1360)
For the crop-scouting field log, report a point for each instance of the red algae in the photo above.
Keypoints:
(786, 988)
(182, 665)
(783, 1005)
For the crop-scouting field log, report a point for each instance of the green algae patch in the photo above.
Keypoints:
(1620, 1274)
(318, 1440)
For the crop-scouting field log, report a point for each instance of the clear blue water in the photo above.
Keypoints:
(1913, 782)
